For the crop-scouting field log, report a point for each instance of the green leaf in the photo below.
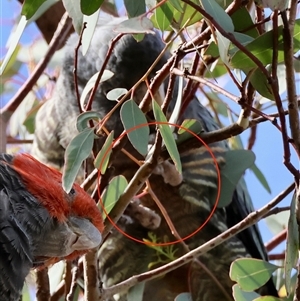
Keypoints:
(135, 8)
(167, 135)
(236, 162)
(189, 15)
(91, 83)
(116, 93)
(12, 65)
(136, 293)
(261, 84)
(84, 118)
(163, 16)
(251, 273)
(131, 117)
(135, 25)
(261, 178)
(243, 38)
(91, 23)
(193, 125)
(74, 11)
(277, 222)
(242, 21)
(292, 245)
(88, 7)
(262, 49)
(183, 297)
(240, 295)
(177, 5)
(112, 193)
(223, 46)
(219, 14)
(30, 7)
(100, 162)
(77, 151)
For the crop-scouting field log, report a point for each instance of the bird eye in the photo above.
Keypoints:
(72, 192)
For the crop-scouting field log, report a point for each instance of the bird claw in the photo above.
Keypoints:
(169, 173)
(148, 218)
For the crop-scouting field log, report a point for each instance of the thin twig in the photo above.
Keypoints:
(250, 220)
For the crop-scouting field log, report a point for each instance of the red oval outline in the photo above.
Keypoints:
(218, 192)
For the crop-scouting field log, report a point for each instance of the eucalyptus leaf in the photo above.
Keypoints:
(184, 297)
(91, 83)
(133, 117)
(219, 14)
(167, 135)
(135, 8)
(91, 23)
(261, 178)
(112, 193)
(262, 49)
(251, 273)
(240, 295)
(102, 158)
(236, 163)
(84, 118)
(77, 151)
(115, 94)
(74, 11)
(163, 16)
(89, 7)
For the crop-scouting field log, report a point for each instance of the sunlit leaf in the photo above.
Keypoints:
(112, 193)
(135, 25)
(163, 16)
(191, 124)
(103, 156)
(91, 22)
(167, 135)
(115, 94)
(91, 83)
(30, 7)
(14, 40)
(74, 11)
(177, 5)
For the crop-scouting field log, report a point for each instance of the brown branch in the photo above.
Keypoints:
(275, 241)
(91, 277)
(58, 39)
(250, 220)
(280, 256)
(288, 34)
(43, 287)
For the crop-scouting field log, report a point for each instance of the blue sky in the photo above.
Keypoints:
(268, 147)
